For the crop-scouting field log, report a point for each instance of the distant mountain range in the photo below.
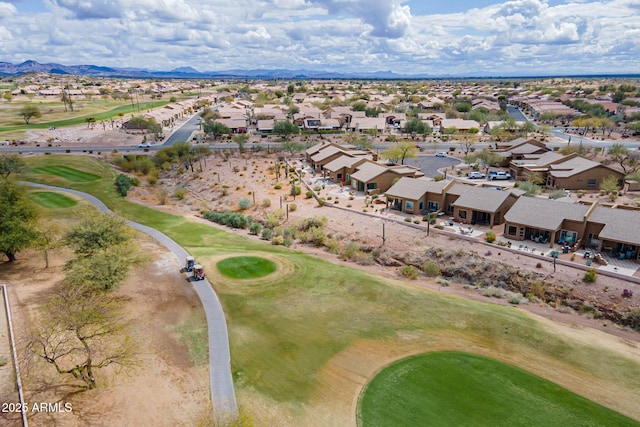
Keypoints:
(9, 69)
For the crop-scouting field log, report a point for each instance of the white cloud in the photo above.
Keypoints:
(342, 35)
(7, 10)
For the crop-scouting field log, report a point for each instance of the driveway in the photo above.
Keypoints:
(222, 391)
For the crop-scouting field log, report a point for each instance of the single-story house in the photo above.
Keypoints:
(545, 221)
(482, 205)
(411, 195)
(375, 178)
(614, 231)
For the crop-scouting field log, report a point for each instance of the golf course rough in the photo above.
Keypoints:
(454, 388)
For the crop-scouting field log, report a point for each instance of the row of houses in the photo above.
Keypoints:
(603, 228)
(359, 169)
(526, 158)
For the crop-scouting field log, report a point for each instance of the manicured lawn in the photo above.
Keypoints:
(455, 389)
(52, 200)
(246, 267)
(283, 336)
(67, 173)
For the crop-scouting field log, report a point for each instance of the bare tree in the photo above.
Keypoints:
(81, 332)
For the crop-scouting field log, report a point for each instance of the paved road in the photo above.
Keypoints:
(222, 391)
(184, 131)
(430, 164)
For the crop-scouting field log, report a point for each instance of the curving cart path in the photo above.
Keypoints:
(222, 392)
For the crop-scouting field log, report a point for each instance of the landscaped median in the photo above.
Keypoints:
(304, 345)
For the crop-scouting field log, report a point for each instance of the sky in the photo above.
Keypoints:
(409, 37)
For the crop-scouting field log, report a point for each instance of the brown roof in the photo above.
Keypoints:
(414, 188)
(482, 199)
(620, 225)
(543, 213)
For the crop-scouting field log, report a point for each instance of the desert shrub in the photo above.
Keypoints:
(278, 240)
(317, 188)
(271, 221)
(349, 251)
(266, 203)
(557, 194)
(153, 177)
(123, 183)
(295, 191)
(409, 272)
(438, 178)
(309, 223)
(632, 319)
(590, 276)
(494, 292)
(309, 194)
(332, 245)
(416, 221)
(267, 234)
(321, 201)
(514, 299)
(292, 207)
(277, 186)
(430, 269)
(442, 282)
(362, 258)
(244, 203)
(407, 220)
(180, 193)
(255, 228)
(490, 236)
(230, 219)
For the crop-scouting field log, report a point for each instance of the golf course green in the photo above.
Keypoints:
(67, 173)
(453, 389)
(246, 267)
(48, 199)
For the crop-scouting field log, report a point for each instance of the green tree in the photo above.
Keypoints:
(241, 139)
(48, 239)
(530, 188)
(285, 128)
(418, 127)
(214, 128)
(11, 164)
(29, 112)
(8, 96)
(96, 231)
(18, 218)
(359, 106)
(620, 154)
(610, 184)
(400, 152)
(292, 147)
(104, 270)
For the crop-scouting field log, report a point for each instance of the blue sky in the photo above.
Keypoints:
(480, 37)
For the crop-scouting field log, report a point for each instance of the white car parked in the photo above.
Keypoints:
(441, 154)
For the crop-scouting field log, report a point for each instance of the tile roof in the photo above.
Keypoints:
(369, 170)
(482, 199)
(543, 213)
(621, 225)
(414, 188)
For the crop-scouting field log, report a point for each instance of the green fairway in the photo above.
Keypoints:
(455, 389)
(246, 267)
(286, 333)
(67, 173)
(52, 200)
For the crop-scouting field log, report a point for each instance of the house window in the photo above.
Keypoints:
(372, 186)
(591, 183)
(462, 214)
(339, 177)
(450, 208)
(408, 206)
(433, 206)
(568, 236)
(512, 230)
(421, 206)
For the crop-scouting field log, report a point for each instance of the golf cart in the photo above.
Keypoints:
(198, 272)
(190, 262)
